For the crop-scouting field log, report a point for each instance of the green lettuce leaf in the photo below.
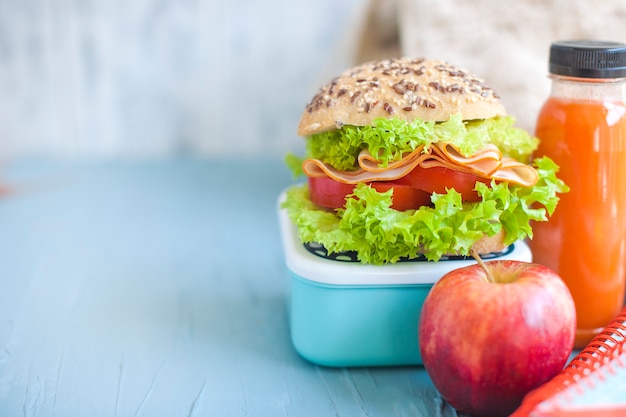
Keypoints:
(294, 163)
(380, 234)
(389, 139)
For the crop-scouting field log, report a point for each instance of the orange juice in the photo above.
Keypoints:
(585, 240)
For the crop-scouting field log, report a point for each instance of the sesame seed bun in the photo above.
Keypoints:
(403, 88)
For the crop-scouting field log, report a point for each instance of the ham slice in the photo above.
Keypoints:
(487, 163)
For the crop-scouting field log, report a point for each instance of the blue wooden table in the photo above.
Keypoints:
(158, 288)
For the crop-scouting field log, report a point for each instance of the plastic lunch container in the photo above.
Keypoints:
(347, 314)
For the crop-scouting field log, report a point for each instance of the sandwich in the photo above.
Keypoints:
(409, 159)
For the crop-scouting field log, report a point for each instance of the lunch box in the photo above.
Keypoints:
(347, 314)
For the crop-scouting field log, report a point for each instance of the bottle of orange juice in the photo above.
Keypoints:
(582, 127)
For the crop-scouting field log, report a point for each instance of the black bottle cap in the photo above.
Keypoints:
(588, 59)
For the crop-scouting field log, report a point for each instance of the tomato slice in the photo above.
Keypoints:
(404, 197)
(326, 192)
(439, 179)
(409, 192)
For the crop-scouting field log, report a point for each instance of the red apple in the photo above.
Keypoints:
(490, 334)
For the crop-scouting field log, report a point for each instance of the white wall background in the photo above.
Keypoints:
(155, 77)
(507, 42)
(218, 77)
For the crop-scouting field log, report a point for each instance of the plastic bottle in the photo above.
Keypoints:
(582, 127)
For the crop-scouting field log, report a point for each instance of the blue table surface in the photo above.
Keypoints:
(158, 288)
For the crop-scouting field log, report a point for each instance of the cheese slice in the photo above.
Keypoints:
(487, 163)
(317, 168)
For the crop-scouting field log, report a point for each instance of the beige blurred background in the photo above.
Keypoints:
(153, 78)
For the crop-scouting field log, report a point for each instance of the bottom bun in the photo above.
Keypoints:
(488, 244)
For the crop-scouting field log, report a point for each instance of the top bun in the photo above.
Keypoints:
(403, 88)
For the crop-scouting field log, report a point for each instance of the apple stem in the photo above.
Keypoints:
(482, 265)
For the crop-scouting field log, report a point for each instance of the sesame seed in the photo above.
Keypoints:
(399, 88)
